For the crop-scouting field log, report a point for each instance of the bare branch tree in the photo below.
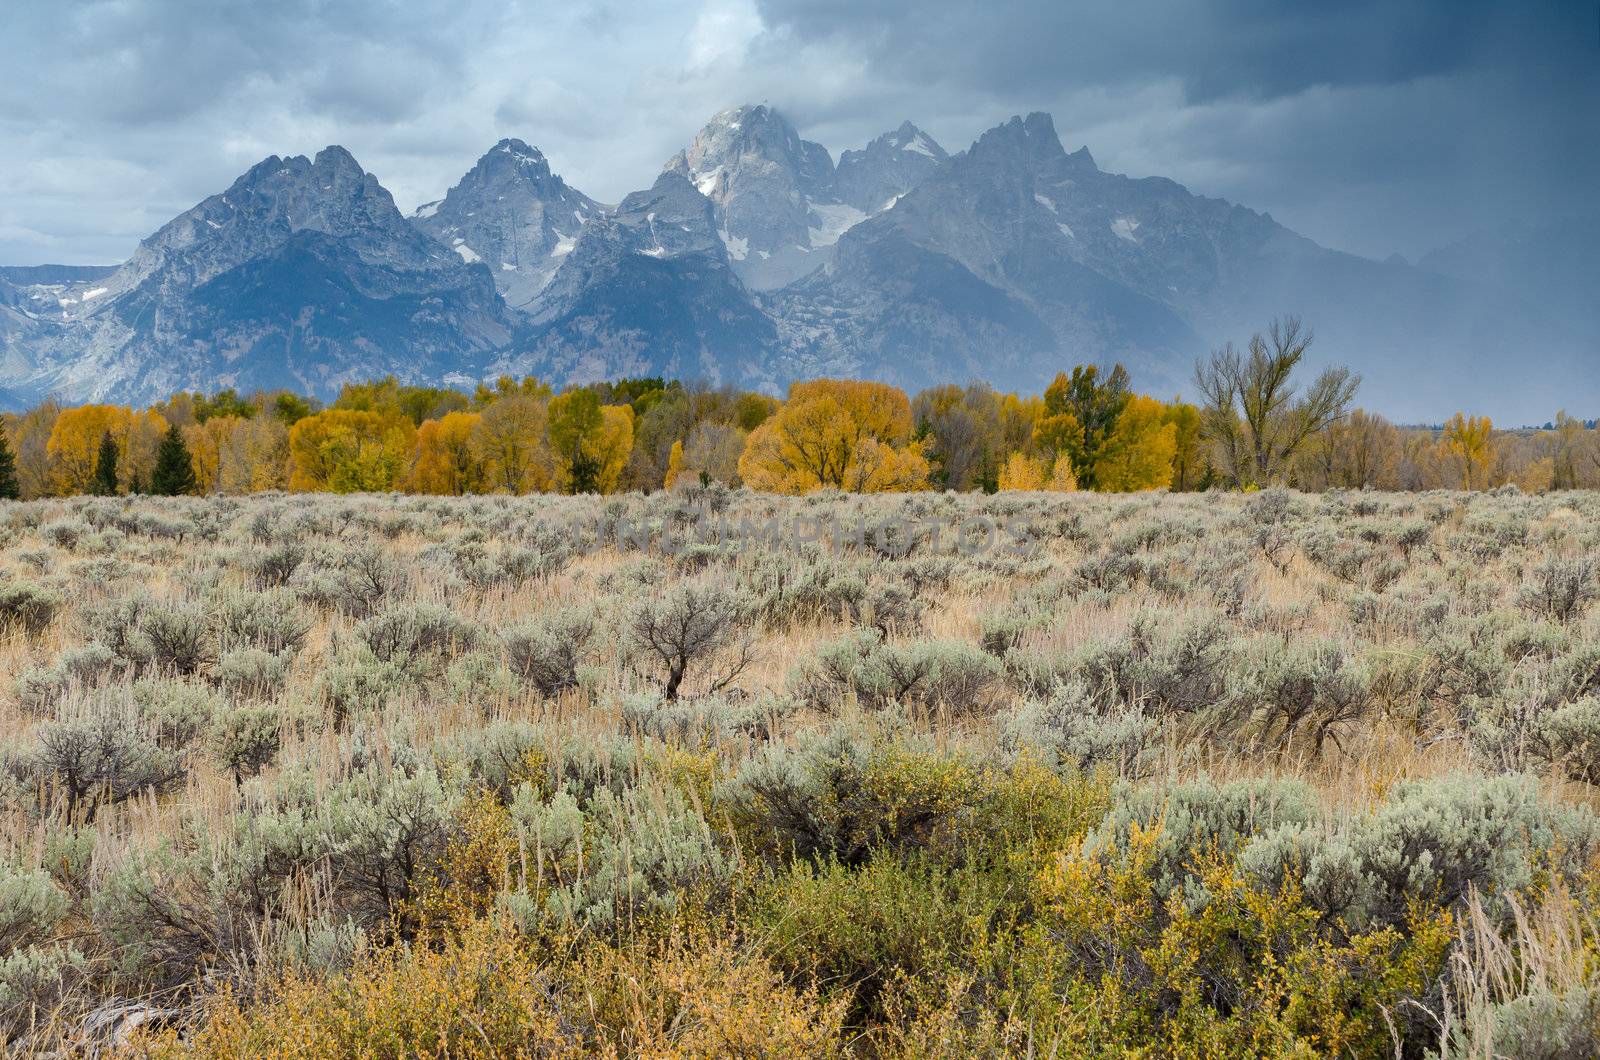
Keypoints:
(690, 628)
(1253, 414)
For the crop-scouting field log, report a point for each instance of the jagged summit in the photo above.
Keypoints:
(513, 214)
(772, 192)
(872, 178)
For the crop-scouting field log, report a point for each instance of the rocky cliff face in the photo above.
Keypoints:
(871, 179)
(780, 204)
(647, 290)
(514, 215)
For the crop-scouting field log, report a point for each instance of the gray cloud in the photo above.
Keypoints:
(1371, 126)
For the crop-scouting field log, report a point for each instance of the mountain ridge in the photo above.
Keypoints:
(755, 258)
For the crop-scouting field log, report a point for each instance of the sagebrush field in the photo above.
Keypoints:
(1201, 775)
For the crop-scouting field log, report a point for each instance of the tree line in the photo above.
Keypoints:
(1255, 425)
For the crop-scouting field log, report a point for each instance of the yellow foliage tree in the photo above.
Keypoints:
(510, 442)
(816, 438)
(253, 455)
(1022, 473)
(613, 443)
(1025, 473)
(206, 442)
(30, 445)
(880, 468)
(674, 464)
(1137, 453)
(1062, 478)
(74, 445)
(444, 459)
(1188, 456)
(1468, 443)
(349, 450)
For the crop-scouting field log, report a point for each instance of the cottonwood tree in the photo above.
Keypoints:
(1468, 443)
(510, 441)
(1137, 452)
(1080, 412)
(848, 434)
(1254, 415)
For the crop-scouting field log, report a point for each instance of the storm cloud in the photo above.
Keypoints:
(1371, 126)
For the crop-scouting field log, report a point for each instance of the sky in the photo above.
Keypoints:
(1373, 126)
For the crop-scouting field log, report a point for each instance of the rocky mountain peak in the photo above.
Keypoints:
(513, 214)
(1027, 141)
(874, 177)
(766, 184)
(748, 144)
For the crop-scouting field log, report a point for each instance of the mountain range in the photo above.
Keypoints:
(756, 259)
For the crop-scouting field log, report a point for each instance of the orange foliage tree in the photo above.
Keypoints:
(819, 437)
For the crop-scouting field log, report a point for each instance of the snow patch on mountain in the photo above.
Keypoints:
(837, 219)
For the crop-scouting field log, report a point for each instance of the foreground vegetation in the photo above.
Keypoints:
(1209, 774)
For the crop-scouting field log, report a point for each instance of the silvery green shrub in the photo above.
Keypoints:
(68, 854)
(28, 606)
(634, 853)
(30, 906)
(480, 675)
(268, 621)
(359, 582)
(114, 622)
(244, 740)
(1293, 688)
(1196, 819)
(34, 981)
(1431, 841)
(99, 752)
(1161, 669)
(955, 675)
(416, 636)
(176, 712)
(703, 721)
(1069, 731)
(276, 564)
(355, 682)
(499, 755)
(690, 629)
(1530, 725)
(1561, 589)
(1542, 1024)
(384, 832)
(64, 533)
(84, 666)
(814, 585)
(172, 638)
(1572, 736)
(168, 914)
(825, 796)
(252, 673)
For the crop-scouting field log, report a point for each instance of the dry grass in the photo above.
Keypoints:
(1180, 549)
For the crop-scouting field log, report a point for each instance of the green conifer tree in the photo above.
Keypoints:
(105, 468)
(10, 488)
(174, 473)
